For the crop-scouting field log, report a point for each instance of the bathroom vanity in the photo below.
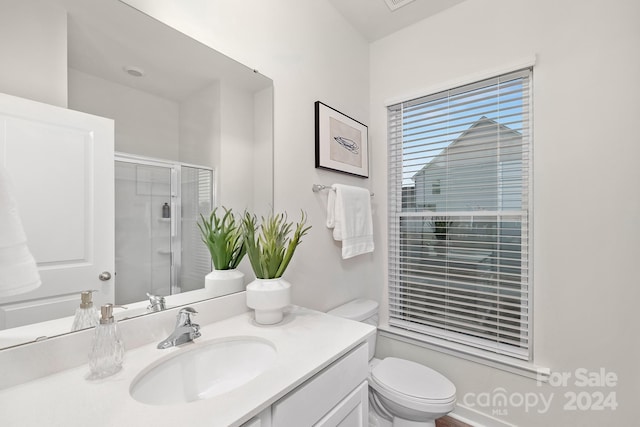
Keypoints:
(317, 375)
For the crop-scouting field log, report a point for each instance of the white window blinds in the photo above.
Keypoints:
(459, 164)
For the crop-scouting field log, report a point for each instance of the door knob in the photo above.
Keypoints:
(104, 276)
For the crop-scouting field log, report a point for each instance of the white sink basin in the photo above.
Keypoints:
(203, 370)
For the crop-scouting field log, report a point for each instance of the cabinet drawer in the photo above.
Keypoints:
(311, 401)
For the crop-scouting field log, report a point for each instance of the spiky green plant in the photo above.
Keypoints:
(269, 246)
(224, 238)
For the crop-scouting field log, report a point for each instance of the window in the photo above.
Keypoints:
(435, 187)
(459, 209)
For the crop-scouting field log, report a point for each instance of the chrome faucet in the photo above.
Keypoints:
(184, 332)
(156, 303)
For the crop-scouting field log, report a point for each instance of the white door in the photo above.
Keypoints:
(60, 163)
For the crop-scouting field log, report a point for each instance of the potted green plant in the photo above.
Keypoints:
(223, 236)
(270, 247)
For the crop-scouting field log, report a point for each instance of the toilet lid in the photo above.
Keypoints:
(358, 310)
(412, 379)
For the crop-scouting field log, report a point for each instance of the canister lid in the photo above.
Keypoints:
(358, 309)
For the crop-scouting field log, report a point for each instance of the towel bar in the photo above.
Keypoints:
(319, 187)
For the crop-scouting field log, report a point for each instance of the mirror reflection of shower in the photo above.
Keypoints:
(158, 248)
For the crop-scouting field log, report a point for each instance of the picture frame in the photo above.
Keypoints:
(342, 143)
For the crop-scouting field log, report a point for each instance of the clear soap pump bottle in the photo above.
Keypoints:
(86, 315)
(107, 349)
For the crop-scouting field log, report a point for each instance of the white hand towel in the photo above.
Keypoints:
(18, 270)
(349, 214)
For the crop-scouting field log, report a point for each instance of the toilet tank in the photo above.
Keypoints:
(360, 310)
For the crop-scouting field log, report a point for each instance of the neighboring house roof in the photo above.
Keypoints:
(466, 138)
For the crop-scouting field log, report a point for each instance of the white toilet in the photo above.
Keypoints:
(401, 393)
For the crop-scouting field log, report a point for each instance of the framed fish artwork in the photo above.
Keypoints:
(341, 142)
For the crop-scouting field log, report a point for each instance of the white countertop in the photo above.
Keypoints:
(306, 341)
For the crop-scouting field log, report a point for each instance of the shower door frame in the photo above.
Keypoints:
(176, 205)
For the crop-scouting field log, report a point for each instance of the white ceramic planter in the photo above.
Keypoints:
(224, 282)
(268, 297)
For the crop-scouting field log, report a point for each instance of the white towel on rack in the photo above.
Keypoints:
(349, 214)
(18, 270)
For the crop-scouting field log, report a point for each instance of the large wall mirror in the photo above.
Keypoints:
(193, 129)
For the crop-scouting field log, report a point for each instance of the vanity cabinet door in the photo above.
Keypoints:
(318, 397)
(352, 411)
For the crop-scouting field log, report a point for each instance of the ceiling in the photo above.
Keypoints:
(374, 20)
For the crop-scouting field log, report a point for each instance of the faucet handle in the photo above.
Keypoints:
(184, 316)
(188, 310)
(156, 302)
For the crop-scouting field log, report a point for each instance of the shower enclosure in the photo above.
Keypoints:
(158, 248)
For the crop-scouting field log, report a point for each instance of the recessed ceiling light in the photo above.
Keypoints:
(395, 4)
(134, 71)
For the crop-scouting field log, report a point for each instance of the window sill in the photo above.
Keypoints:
(504, 363)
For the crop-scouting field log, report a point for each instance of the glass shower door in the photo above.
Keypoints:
(143, 237)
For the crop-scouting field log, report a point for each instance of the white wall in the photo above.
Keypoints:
(200, 127)
(33, 45)
(146, 124)
(217, 130)
(311, 54)
(236, 169)
(263, 151)
(586, 206)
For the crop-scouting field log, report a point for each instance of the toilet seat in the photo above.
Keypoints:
(412, 385)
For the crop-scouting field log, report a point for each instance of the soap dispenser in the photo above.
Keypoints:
(107, 350)
(86, 315)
